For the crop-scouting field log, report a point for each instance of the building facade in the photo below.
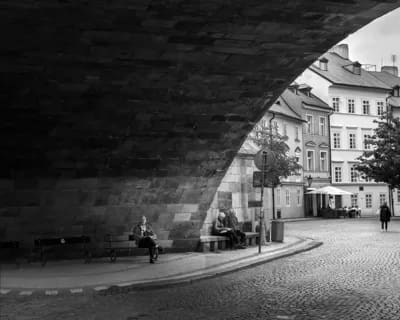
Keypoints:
(316, 143)
(357, 98)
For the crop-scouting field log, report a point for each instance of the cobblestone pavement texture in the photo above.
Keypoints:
(354, 275)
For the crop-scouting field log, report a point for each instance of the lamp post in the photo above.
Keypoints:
(310, 204)
(309, 180)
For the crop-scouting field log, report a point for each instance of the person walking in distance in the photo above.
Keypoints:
(384, 216)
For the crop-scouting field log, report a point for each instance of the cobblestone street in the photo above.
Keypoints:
(354, 275)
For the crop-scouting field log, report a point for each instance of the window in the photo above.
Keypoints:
(310, 160)
(298, 194)
(309, 124)
(322, 126)
(365, 105)
(367, 136)
(336, 140)
(297, 133)
(379, 108)
(396, 91)
(278, 197)
(354, 200)
(398, 195)
(338, 174)
(285, 129)
(323, 166)
(287, 197)
(382, 198)
(335, 104)
(368, 200)
(275, 126)
(353, 174)
(352, 140)
(350, 105)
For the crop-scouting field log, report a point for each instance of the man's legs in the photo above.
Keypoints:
(148, 242)
(386, 223)
(242, 236)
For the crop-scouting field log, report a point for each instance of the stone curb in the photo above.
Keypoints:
(303, 245)
(239, 265)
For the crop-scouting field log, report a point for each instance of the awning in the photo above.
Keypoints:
(330, 190)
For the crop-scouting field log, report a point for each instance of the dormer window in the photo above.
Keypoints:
(323, 64)
(357, 68)
(396, 91)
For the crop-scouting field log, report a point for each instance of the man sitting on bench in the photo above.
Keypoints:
(219, 229)
(146, 238)
(231, 221)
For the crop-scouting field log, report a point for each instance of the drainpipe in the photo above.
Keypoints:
(330, 147)
(270, 142)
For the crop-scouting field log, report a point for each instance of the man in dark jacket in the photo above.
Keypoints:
(385, 215)
(220, 229)
(231, 221)
(146, 238)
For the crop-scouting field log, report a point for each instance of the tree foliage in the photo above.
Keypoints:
(382, 161)
(279, 163)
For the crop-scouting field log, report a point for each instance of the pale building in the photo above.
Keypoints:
(357, 98)
(285, 121)
(316, 143)
(390, 76)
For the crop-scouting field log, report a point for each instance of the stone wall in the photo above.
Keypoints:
(33, 209)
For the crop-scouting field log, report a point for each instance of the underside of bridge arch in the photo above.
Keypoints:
(114, 109)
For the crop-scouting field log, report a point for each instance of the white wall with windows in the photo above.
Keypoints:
(352, 125)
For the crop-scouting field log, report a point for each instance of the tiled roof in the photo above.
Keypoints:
(388, 78)
(295, 101)
(284, 109)
(339, 72)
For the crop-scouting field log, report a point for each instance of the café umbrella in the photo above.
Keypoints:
(330, 190)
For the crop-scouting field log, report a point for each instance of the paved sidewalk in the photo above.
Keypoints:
(75, 277)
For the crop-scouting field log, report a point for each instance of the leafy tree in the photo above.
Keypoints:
(382, 161)
(279, 163)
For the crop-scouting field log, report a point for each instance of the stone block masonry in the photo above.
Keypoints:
(113, 109)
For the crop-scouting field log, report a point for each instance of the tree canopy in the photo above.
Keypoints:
(382, 161)
(279, 163)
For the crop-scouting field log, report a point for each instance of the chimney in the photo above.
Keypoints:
(323, 64)
(390, 69)
(341, 50)
(357, 68)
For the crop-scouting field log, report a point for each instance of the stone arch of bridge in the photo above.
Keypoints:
(111, 110)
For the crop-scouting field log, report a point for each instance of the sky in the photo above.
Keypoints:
(377, 41)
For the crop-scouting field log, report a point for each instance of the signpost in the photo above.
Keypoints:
(262, 179)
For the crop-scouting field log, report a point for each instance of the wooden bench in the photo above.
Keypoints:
(214, 243)
(117, 243)
(122, 243)
(11, 250)
(42, 245)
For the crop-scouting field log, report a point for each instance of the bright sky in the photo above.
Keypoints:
(376, 42)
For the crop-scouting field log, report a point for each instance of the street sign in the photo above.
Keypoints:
(264, 159)
(254, 204)
(269, 182)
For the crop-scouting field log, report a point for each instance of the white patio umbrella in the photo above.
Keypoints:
(329, 190)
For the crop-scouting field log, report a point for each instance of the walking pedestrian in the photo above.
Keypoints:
(384, 216)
